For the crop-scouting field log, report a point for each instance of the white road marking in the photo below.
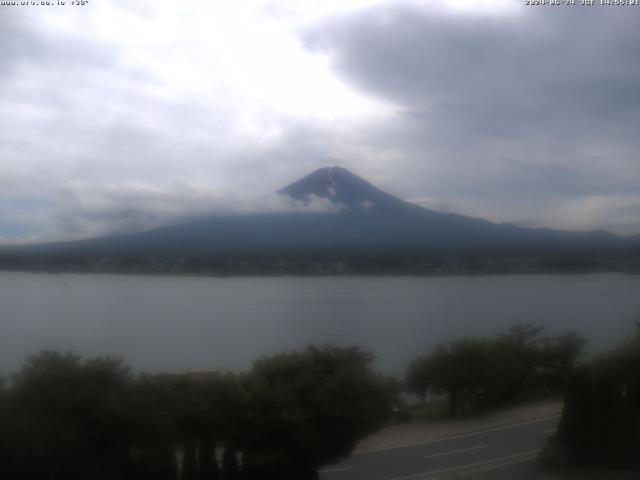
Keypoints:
(457, 437)
(332, 470)
(547, 432)
(497, 461)
(453, 452)
(495, 466)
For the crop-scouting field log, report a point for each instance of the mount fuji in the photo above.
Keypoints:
(365, 221)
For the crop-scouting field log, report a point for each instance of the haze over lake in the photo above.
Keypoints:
(164, 323)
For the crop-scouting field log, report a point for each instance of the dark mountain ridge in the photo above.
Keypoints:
(367, 222)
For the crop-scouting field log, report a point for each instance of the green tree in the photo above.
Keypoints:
(306, 409)
(189, 460)
(207, 463)
(481, 373)
(600, 422)
(418, 377)
(560, 356)
(68, 420)
(519, 359)
(152, 407)
(230, 467)
(4, 426)
(464, 371)
(185, 411)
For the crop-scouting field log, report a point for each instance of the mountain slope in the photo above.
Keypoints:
(367, 221)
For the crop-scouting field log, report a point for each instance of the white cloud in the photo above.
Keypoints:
(84, 210)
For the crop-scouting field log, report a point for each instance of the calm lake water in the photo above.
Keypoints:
(178, 323)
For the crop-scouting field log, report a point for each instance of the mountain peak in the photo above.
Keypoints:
(341, 187)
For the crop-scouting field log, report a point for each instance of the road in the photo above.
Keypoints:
(506, 452)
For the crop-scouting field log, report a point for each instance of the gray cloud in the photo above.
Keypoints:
(544, 104)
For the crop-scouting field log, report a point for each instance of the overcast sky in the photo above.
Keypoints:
(121, 115)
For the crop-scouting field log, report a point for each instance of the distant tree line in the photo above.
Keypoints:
(306, 263)
(480, 373)
(66, 418)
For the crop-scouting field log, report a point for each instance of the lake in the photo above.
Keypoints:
(164, 323)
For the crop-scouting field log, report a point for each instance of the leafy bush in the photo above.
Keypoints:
(600, 423)
(69, 418)
(476, 373)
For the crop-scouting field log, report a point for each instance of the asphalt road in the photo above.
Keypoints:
(507, 452)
